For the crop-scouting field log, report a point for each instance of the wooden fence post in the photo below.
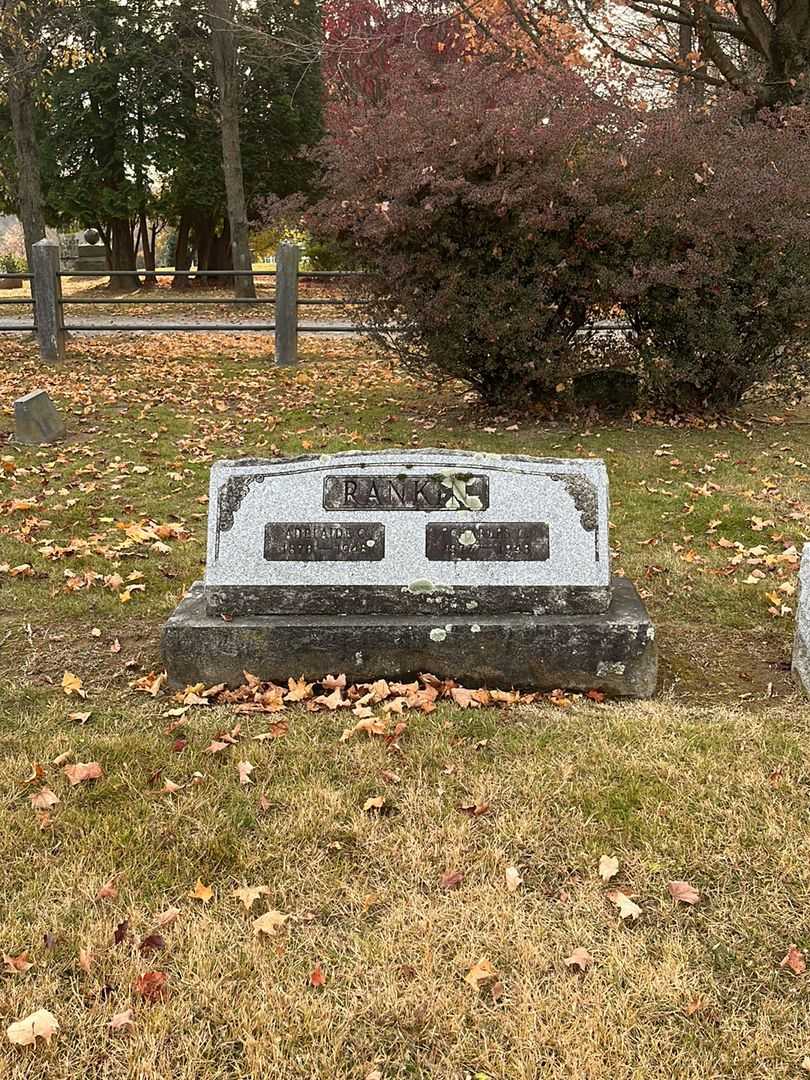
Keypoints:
(287, 258)
(47, 291)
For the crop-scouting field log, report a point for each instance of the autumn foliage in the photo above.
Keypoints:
(501, 211)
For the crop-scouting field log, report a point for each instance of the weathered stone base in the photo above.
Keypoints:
(614, 652)
(801, 644)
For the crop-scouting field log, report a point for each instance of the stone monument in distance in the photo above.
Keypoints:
(492, 570)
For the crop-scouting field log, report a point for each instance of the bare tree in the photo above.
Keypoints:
(758, 47)
(23, 55)
(224, 51)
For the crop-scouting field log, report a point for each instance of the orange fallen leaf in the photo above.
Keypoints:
(683, 891)
(72, 684)
(39, 1025)
(317, 977)
(201, 892)
(152, 985)
(475, 809)
(16, 965)
(794, 960)
(108, 891)
(480, 973)
(82, 771)
(299, 690)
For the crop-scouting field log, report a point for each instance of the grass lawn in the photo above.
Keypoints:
(100, 536)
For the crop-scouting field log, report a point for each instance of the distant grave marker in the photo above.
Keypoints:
(36, 419)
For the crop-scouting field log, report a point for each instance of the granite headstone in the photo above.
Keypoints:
(36, 419)
(487, 568)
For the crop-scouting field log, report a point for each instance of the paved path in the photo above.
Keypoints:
(79, 327)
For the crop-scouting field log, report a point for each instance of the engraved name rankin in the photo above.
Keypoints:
(318, 541)
(443, 492)
(495, 541)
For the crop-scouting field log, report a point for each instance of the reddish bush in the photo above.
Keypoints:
(465, 199)
(712, 220)
(500, 211)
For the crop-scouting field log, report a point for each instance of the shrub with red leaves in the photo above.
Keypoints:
(499, 211)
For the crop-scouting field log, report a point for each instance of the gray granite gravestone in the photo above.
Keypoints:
(494, 570)
(36, 420)
(801, 644)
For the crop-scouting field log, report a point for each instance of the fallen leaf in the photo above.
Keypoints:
(72, 684)
(86, 959)
(107, 891)
(201, 892)
(683, 891)
(580, 958)
(317, 977)
(151, 943)
(376, 803)
(474, 809)
(16, 965)
(37, 774)
(627, 909)
(123, 1021)
(39, 1025)
(513, 878)
(121, 932)
(80, 717)
(250, 894)
(44, 799)
(299, 690)
(245, 769)
(167, 917)
(608, 867)
(794, 960)
(82, 771)
(269, 923)
(451, 879)
(480, 973)
(152, 985)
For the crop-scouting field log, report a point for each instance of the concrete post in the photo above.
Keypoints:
(47, 289)
(287, 258)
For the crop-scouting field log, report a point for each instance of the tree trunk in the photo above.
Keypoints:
(223, 47)
(148, 251)
(29, 186)
(122, 248)
(182, 253)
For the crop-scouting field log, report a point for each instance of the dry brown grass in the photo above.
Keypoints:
(715, 796)
(708, 784)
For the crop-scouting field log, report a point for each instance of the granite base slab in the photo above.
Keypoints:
(614, 651)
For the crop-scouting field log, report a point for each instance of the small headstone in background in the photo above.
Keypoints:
(36, 419)
(801, 644)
